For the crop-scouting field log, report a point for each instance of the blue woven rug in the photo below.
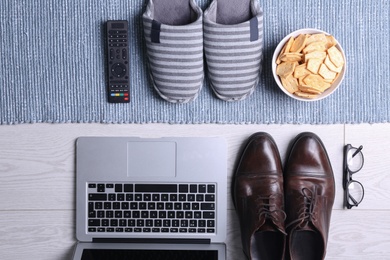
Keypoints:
(53, 65)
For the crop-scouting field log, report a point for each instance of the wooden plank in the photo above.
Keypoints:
(44, 235)
(374, 175)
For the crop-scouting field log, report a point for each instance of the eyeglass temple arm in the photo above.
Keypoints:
(357, 151)
(352, 198)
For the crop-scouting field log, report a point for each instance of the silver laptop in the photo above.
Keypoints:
(139, 198)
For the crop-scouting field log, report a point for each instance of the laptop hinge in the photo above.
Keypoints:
(152, 240)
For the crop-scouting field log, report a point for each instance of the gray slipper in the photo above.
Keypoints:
(174, 41)
(233, 43)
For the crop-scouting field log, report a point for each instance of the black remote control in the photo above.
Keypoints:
(118, 62)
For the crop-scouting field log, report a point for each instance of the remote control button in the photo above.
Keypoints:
(118, 70)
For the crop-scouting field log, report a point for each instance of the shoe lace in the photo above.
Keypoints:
(265, 209)
(306, 214)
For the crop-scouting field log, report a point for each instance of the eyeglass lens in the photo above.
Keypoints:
(355, 193)
(354, 159)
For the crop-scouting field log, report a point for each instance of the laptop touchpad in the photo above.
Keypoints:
(155, 158)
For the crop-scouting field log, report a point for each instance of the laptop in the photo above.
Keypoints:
(151, 198)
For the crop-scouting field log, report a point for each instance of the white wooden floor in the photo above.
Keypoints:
(37, 184)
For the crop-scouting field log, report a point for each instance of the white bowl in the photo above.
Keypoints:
(327, 92)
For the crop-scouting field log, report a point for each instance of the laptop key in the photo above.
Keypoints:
(183, 188)
(162, 214)
(93, 222)
(92, 185)
(209, 197)
(156, 188)
(211, 188)
(202, 188)
(113, 222)
(107, 205)
(207, 206)
(134, 205)
(118, 187)
(199, 197)
(112, 197)
(100, 214)
(120, 197)
(101, 188)
(156, 197)
(193, 188)
(153, 214)
(127, 214)
(97, 196)
(129, 197)
(208, 214)
(125, 205)
(210, 223)
(128, 187)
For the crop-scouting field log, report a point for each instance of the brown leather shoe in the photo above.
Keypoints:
(309, 196)
(258, 198)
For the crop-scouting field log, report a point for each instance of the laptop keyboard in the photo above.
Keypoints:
(151, 208)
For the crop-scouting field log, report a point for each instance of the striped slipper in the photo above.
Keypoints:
(174, 39)
(233, 43)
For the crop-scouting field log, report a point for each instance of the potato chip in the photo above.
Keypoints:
(308, 89)
(313, 65)
(331, 41)
(317, 37)
(317, 82)
(290, 83)
(278, 61)
(305, 94)
(326, 73)
(300, 71)
(291, 56)
(289, 44)
(335, 56)
(285, 69)
(331, 66)
(315, 55)
(299, 43)
(315, 46)
(300, 80)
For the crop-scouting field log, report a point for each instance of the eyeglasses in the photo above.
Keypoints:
(353, 163)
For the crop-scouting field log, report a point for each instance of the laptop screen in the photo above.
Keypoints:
(135, 254)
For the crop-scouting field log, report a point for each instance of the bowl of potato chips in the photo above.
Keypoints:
(308, 64)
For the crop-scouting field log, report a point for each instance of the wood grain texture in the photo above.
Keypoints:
(37, 171)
